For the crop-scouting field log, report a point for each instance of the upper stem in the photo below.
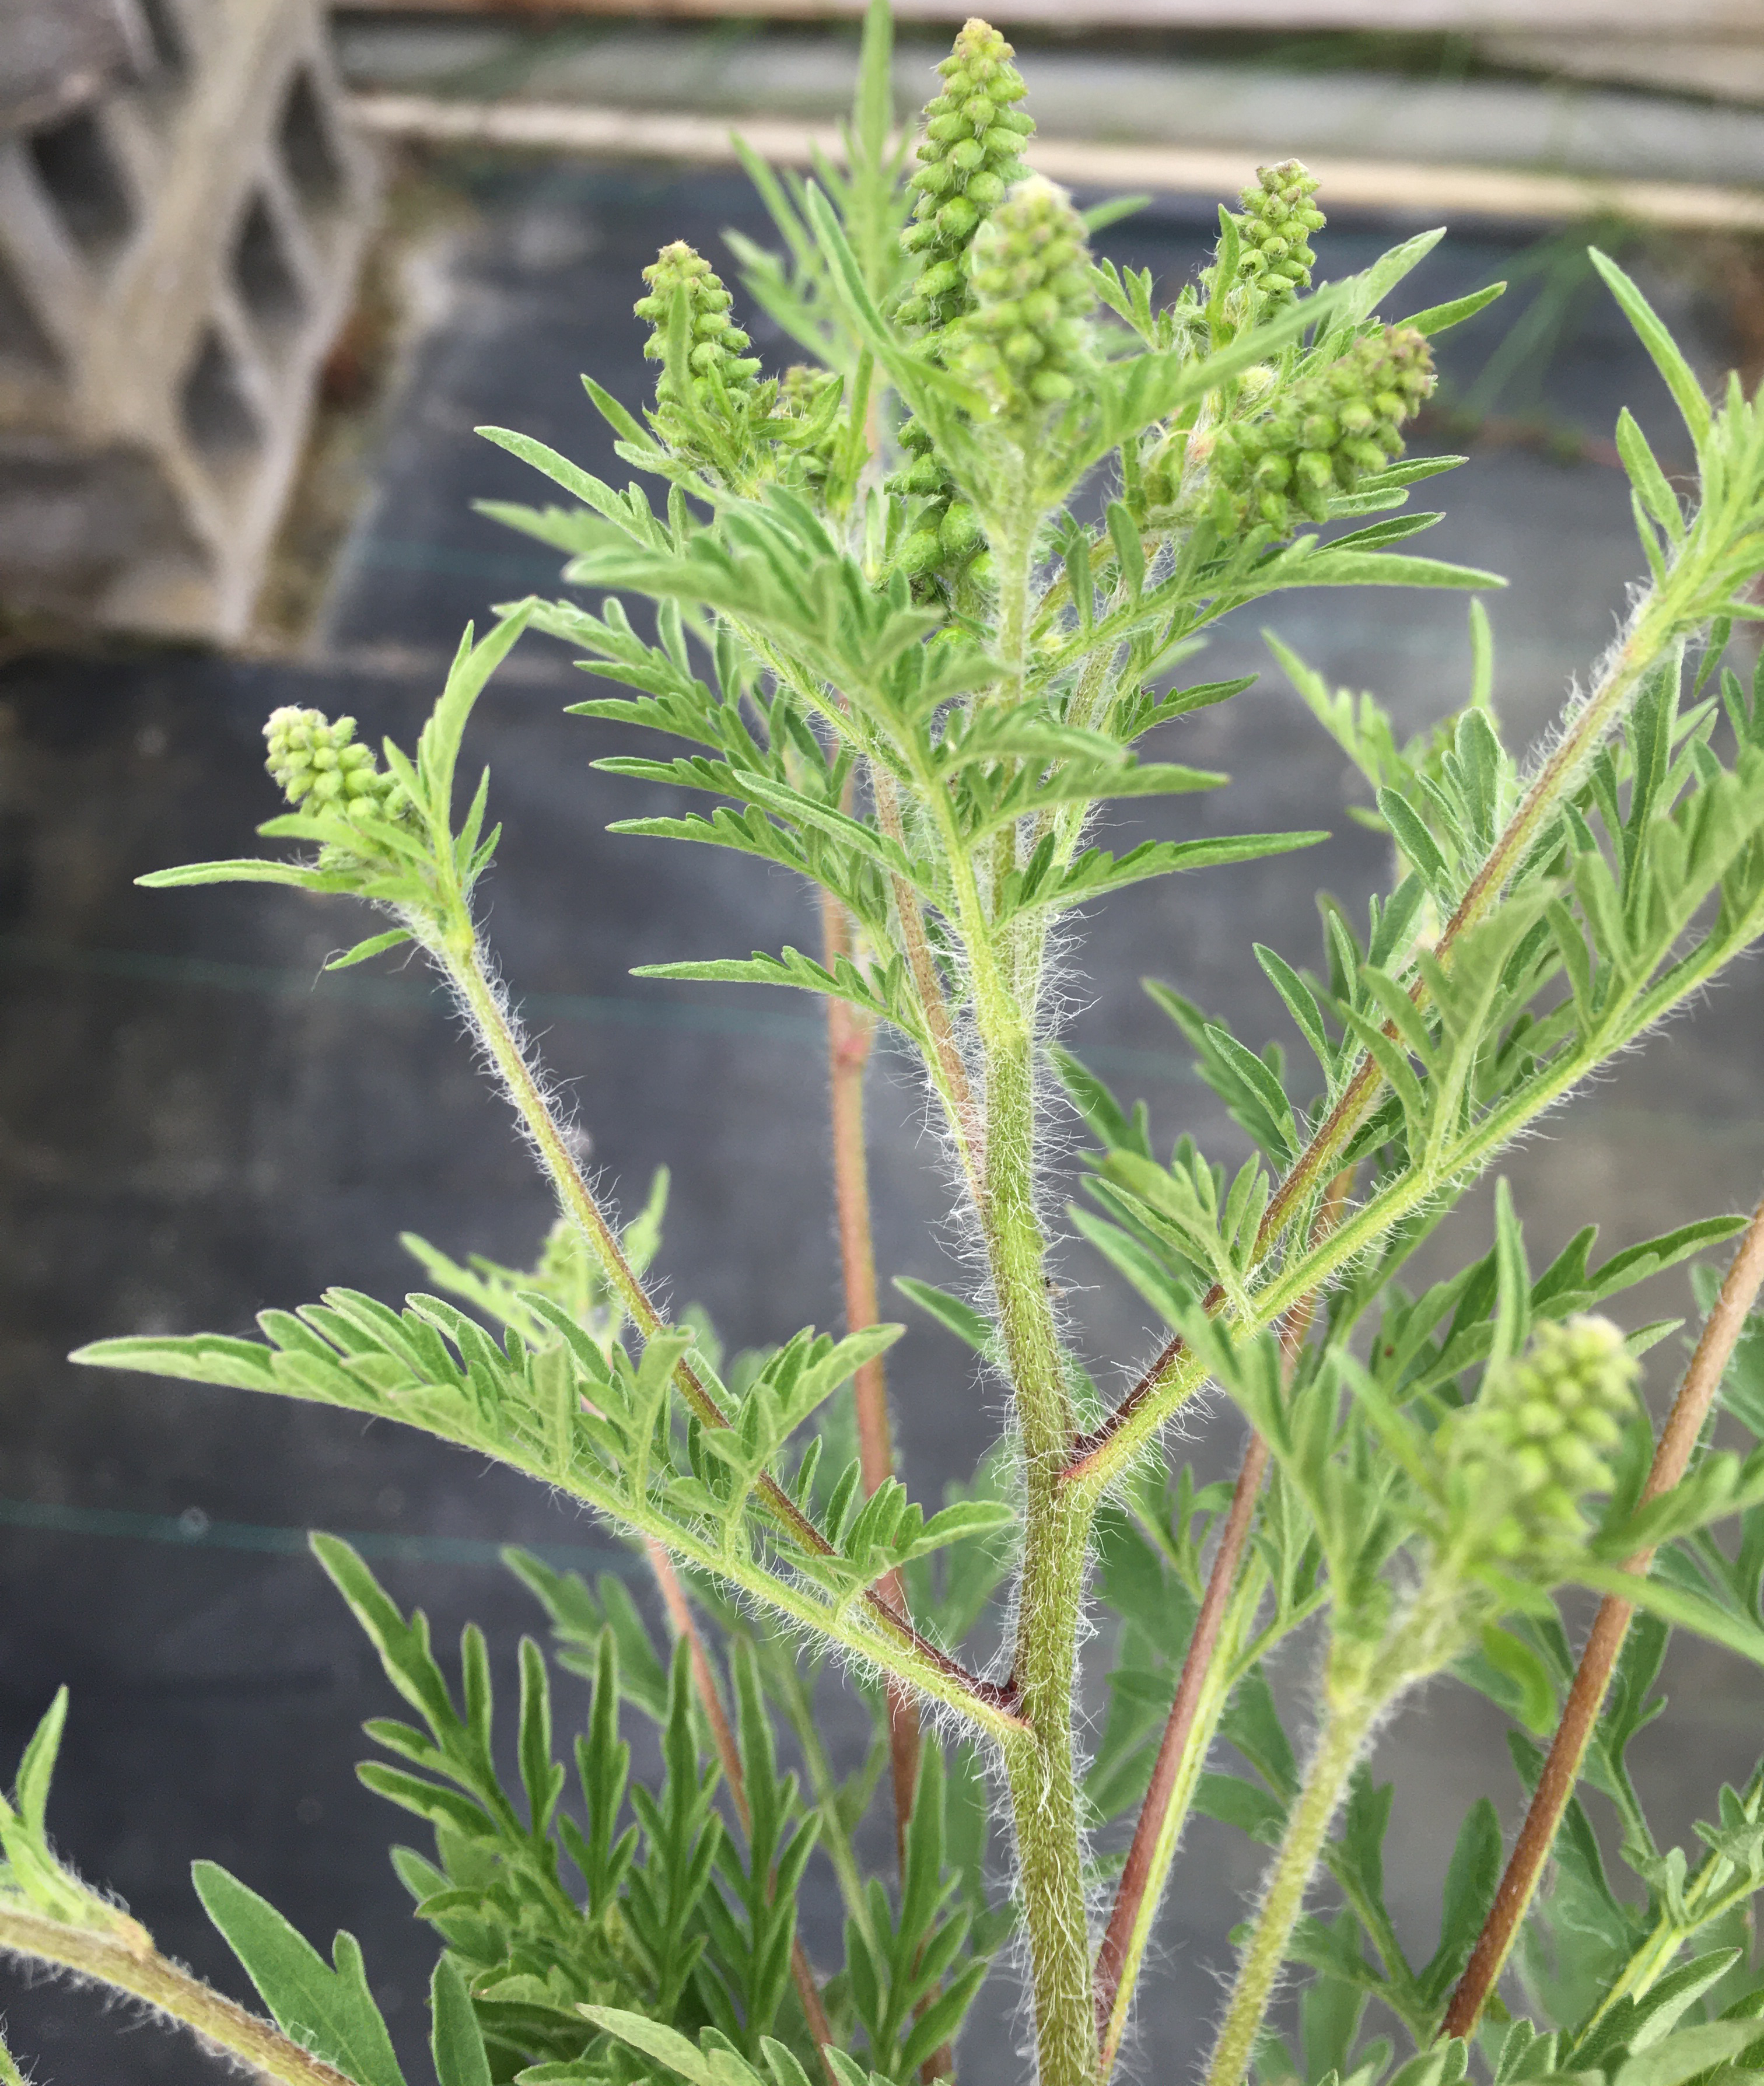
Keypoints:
(1040, 1766)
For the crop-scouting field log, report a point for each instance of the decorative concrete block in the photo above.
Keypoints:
(176, 255)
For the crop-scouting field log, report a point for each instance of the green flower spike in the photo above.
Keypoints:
(1322, 437)
(969, 155)
(1274, 228)
(1539, 1438)
(720, 370)
(323, 767)
(1026, 338)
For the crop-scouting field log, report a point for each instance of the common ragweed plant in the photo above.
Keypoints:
(911, 606)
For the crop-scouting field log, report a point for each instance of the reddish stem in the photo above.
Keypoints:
(1585, 1698)
(1202, 1646)
(850, 1033)
(1136, 1876)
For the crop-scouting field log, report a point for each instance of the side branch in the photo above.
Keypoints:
(1593, 1678)
(1154, 1848)
(138, 1968)
(480, 997)
(1352, 1103)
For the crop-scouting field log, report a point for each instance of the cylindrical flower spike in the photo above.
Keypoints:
(1539, 1439)
(969, 148)
(1274, 229)
(969, 154)
(723, 376)
(1322, 437)
(1026, 338)
(321, 766)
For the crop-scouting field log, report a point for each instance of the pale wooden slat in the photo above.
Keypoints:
(1724, 68)
(1444, 192)
(1740, 18)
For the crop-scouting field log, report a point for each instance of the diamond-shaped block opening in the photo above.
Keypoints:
(218, 417)
(309, 151)
(83, 182)
(23, 344)
(165, 38)
(263, 275)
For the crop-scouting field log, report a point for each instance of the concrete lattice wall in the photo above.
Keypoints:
(175, 256)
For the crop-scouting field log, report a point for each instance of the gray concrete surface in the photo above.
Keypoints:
(193, 1126)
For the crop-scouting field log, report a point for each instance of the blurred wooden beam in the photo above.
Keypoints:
(1444, 192)
(1740, 19)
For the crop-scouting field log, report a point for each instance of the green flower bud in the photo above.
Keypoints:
(1025, 340)
(1274, 260)
(1539, 1439)
(958, 534)
(925, 476)
(322, 768)
(921, 553)
(1322, 437)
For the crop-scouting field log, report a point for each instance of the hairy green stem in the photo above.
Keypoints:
(1350, 1717)
(138, 1969)
(1039, 1766)
(1362, 1680)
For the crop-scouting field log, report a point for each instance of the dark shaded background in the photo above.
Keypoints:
(193, 1125)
